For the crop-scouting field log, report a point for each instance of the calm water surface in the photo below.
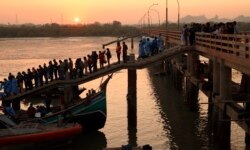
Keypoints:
(163, 120)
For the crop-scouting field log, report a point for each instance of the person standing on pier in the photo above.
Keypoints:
(14, 86)
(40, 74)
(29, 79)
(61, 70)
(154, 46)
(85, 64)
(45, 73)
(70, 65)
(124, 52)
(118, 51)
(55, 68)
(20, 80)
(90, 63)
(25, 80)
(101, 57)
(148, 47)
(108, 54)
(94, 58)
(50, 70)
(36, 77)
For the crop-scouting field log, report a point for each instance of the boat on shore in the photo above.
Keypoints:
(32, 132)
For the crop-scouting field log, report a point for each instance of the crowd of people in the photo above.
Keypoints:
(150, 46)
(60, 70)
(188, 33)
(54, 70)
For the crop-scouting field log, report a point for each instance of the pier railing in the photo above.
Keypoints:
(232, 48)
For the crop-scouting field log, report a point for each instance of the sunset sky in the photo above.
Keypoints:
(105, 11)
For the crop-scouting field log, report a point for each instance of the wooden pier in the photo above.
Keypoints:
(223, 52)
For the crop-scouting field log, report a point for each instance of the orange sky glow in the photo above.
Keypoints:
(106, 11)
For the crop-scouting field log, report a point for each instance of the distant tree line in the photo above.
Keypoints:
(96, 29)
(56, 30)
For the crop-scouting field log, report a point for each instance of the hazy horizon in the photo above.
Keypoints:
(127, 12)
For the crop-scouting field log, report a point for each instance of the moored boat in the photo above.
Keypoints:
(90, 111)
(32, 132)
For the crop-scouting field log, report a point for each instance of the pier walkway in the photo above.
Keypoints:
(134, 64)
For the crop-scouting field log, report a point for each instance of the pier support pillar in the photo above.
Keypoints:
(216, 88)
(191, 89)
(131, 96)
(222, 133)
(177, 78)
(245, 90)
(192, 59)
(192, 92)
(68, 92)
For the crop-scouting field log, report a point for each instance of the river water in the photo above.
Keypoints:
(163, 120)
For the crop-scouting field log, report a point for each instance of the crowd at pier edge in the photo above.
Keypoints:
(54, 70)
(66, 69)
(57, 70)
(188, 33)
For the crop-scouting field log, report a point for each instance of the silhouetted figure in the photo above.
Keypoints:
(124, 52)
(108, 54)
(31, 111)
(55, 68)
(118, 51)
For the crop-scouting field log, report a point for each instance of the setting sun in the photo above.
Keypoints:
(77, 20)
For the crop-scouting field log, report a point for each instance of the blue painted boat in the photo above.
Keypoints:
(90, 112)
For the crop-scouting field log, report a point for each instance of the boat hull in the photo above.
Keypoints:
(40, 137)
(91, 114)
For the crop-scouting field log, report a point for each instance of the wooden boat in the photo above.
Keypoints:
(90, 112)
(31, 132)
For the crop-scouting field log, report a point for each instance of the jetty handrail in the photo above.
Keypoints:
(119, 40)
(232, 48)
(139, 64)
